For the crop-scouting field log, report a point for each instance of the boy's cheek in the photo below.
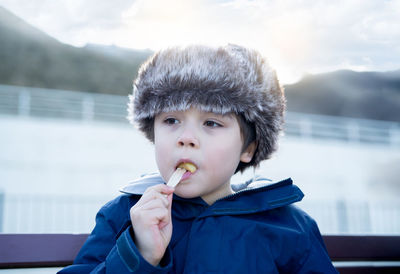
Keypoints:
(163, 145)
(221, 153)
(222, 160)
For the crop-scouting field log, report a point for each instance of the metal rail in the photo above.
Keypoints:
(50, 103)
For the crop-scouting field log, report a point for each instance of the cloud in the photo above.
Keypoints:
(298, 36)
(71, 21)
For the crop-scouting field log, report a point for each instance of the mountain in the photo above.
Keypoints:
(370, 95)
(29, 57)
(118, 52)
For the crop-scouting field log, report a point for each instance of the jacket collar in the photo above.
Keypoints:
(256, 195)
(139, 186)
(258, 198)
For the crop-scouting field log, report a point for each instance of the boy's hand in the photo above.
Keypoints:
(151, 221)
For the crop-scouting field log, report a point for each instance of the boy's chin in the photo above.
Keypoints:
(185, 193)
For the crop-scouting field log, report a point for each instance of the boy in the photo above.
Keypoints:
(215, 111)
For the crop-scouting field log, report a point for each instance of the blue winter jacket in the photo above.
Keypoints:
(255, 230)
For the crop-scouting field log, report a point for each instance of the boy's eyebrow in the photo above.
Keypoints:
(229, 115)
(168, 113)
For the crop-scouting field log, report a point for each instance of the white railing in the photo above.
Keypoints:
(342, 129)
(24, 213)
(49, 103)
(355, 216)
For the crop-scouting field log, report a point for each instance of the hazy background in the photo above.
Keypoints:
(66, 68)
(299, 37)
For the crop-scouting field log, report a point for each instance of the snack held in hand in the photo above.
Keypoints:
(179, 172)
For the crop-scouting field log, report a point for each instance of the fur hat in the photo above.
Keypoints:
(219, 80)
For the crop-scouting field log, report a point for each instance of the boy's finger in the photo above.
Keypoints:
(157, 196)
(153, 193)
(169, 199)
(156, 203)
(163, 216)
(156, 216)
(163, 188)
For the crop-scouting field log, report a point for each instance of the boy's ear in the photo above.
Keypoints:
(248, 153)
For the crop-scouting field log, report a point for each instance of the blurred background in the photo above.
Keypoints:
(66, 68)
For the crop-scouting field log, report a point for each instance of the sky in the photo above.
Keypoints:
(297, 36)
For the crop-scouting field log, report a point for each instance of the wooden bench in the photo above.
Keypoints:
(364, 254)
(350, 254)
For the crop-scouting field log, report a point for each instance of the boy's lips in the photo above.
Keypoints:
(187, 164)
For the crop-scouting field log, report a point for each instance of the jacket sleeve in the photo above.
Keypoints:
(109, 251)
(316, 259)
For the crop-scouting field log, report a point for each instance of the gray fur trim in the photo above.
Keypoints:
(220, 80)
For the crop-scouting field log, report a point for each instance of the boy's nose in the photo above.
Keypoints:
(187, 139)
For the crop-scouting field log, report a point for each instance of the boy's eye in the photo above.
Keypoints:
(171, 121)
(212, 124)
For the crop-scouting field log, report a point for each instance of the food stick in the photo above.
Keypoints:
(176, 177)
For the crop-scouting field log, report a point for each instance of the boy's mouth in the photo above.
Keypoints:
(188, 166)
(183, 171)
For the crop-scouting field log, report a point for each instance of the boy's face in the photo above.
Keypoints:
(211, 142)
